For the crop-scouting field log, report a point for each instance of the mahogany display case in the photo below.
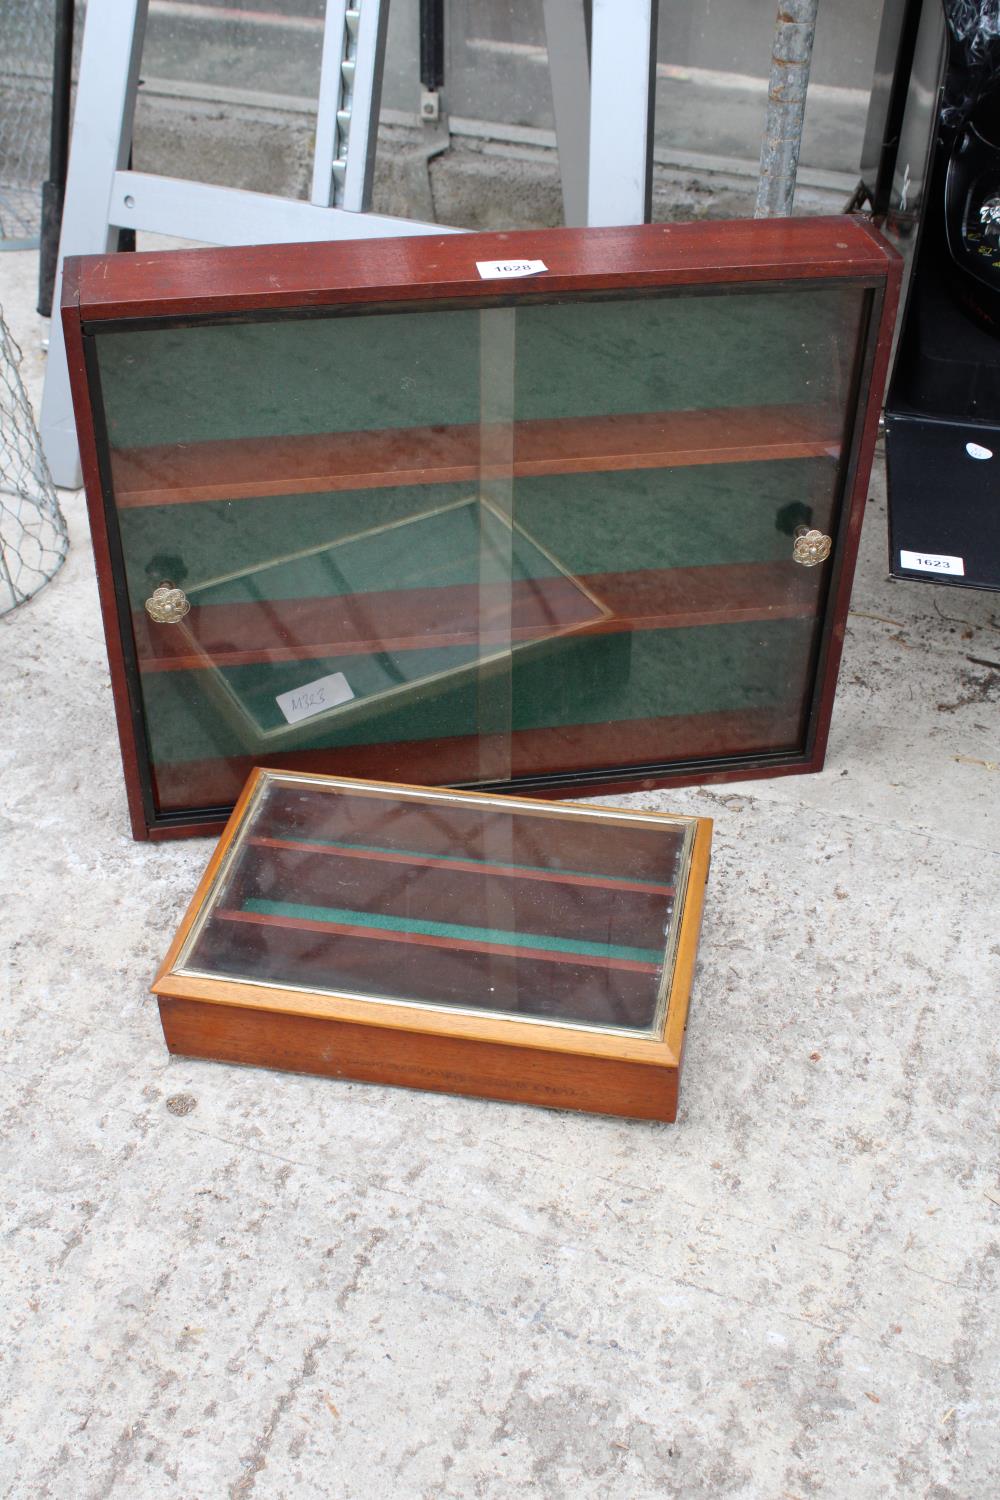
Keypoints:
(358, 510)
(444, 940)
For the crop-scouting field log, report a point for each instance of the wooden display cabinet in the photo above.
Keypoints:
(444, 940)
(592, 530)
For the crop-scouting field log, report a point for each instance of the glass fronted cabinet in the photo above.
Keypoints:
(359, 509)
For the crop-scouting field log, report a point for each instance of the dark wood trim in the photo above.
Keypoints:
(248, 279)
(205, 823)
(85, 404)
(872, 378)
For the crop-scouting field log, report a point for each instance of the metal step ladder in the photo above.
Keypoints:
(103, 196)
(602, 89)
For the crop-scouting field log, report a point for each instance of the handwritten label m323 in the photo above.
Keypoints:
(314, 697)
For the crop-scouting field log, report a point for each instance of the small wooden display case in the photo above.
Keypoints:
(461, 942)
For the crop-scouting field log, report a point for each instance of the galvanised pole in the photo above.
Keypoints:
(786, 106)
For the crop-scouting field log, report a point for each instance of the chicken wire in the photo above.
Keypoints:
(27, 39)
(33, 537)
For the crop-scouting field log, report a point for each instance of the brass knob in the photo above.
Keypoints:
(167, 604)
(811, 547)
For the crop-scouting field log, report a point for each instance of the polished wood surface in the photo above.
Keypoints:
(245, 468)
(449, 1065)
(247, 278)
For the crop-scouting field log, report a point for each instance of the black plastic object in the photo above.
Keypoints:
(432, 44)
(943, 407)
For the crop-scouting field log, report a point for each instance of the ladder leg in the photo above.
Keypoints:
(350, 91)
(622, 96)
(569, 72)
(102, 134)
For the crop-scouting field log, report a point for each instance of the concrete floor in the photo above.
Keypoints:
(230, 1283)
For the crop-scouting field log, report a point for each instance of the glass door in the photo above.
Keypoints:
(469, 546)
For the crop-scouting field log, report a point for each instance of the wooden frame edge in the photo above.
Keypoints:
(79, 381)
(687, 946)
(466, 1066)
(218, 854)
(884, 318)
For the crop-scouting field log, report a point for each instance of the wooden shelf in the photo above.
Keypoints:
(247, 468)
(412, 886)
(282, 630)
(529, 752)
(450, 942)
(452, 864)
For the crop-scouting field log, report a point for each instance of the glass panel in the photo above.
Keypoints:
(559, 915)
(313, 488)
(460, 546)
(347, 603)
(700, 432)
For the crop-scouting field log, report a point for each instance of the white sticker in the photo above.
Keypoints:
(501, 270)
(976, 450)
(932, 562)
(313, 697)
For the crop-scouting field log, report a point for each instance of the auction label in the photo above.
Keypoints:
(932, 562)
(313, 697)
(501, 270)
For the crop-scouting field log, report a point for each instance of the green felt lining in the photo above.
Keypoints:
(656, 674)
(586, 357)
(707, 515)
(419, 927)
(422, 367)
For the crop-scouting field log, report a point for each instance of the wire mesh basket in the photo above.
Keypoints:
(33, 536)
(27, 32)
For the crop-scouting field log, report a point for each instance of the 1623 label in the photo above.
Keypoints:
(932, 562)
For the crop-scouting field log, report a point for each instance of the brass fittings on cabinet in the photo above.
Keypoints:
(167, 604)
(811, 547)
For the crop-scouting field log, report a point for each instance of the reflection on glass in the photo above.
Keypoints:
(563, 915)
(535, 540)
(477, 588)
